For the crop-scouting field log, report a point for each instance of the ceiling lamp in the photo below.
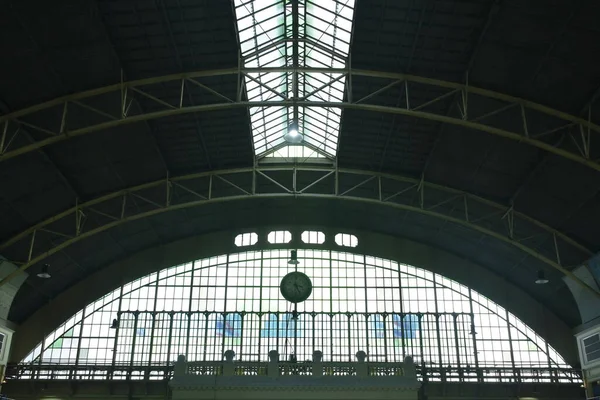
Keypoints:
(541, 278)
(292, 136)
(44, 274)
(294, 258)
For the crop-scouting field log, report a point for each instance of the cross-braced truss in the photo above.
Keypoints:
(436, 201)
(480, 110)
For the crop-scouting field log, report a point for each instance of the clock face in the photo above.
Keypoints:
(296, 287)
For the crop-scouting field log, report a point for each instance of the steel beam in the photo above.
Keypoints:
(130, 87)
(595, 165)
(351, 191)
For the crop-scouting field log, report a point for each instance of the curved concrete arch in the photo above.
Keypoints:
(519, 302)
(586, 127)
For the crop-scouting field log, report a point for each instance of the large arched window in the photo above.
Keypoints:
(359, 302)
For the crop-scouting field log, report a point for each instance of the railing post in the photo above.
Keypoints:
(273, 368)
(180, 368)
(317, 367)
(228, 367)
(362, 369)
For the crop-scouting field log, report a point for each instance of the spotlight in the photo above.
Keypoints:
(44, 274)
(294, 258)
(115, 324)
(292, 136)
(541, 278)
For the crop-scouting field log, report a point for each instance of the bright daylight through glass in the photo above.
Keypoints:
(233, 302)
(266, 30)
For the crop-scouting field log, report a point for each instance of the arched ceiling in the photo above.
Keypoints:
(540, 52)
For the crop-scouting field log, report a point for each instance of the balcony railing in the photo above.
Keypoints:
(500, 375)
(285, 368)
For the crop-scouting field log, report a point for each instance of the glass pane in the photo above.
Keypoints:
(265, 32)
(233, 302)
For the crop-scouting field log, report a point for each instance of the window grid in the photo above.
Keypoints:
(384, 308)
(346, 240)
(313, 237)
(279, 237)
(246, 239)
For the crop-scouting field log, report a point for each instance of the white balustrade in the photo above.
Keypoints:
(249, 379)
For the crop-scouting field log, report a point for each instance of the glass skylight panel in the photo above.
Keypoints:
(294, 152)
(266, 32)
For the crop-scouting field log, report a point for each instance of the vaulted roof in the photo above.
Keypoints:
(477, 119)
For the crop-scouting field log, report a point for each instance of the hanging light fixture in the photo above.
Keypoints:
(44, 274)
(541, 278)
(293, 136)
(294, 258)
(115, 324)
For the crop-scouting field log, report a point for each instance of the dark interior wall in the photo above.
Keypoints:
(516, 300)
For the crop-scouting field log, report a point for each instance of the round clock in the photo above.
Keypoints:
(296, 287)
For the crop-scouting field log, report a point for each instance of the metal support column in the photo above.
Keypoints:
(136, 315)
(115, 346)
(79, 339)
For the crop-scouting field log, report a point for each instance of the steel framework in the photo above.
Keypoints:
(480, 109)
(138, 339)
(484, 216)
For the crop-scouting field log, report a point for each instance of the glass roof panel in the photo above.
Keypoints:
(266, 33)
(297, 151)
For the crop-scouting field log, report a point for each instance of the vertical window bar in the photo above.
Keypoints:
(367, 319)
(153, 313)
(365, 285)
(420, 316)
(115, 348)
(80, 338)
(437, 321)
(279, 324)
(206, 322)
(225, 306)
(349, 316)
(189, 313)
(547, 349)
(473, 330)
(260, 304)
(456, 332)
(331, 348)
(385, 351)
(132, 356)
(313, 315)
(242, 323)
(403, 342)
(330, 282)
(171, 318)
(512, 352)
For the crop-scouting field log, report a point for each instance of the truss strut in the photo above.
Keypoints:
(436, 201)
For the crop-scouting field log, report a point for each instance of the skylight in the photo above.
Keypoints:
(266, 31)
